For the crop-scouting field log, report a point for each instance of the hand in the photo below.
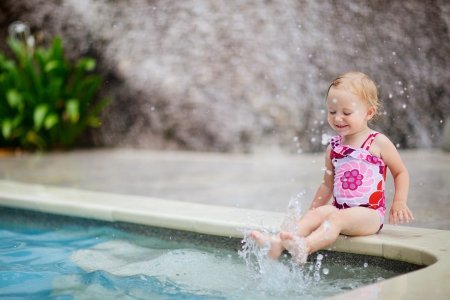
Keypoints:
(399, 211)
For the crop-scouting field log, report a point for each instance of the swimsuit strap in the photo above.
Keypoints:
(368, 142)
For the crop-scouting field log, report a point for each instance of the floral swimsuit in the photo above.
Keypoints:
(359, 177)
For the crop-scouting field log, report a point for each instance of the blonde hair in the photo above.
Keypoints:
(362, 86)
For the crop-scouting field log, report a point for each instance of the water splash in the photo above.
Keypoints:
(283, 276)
(293, 214)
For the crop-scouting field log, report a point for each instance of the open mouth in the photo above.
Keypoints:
(341, 126)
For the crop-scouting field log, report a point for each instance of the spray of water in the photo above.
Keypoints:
(283, 276)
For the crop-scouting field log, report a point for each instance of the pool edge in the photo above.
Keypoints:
(428, 247)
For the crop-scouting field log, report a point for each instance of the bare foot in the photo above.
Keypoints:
(296, 246)
(262, 240)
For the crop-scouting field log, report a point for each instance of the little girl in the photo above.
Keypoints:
(355, 175)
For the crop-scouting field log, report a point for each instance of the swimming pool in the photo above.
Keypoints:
(424, 247)
(48, 256)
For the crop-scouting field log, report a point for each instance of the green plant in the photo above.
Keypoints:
(45, 101)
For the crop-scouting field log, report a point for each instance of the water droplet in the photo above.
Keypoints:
(334, 100)
(390, 95)
(319, 257)
(404, 105)
(393, 53)
(326, 226)
(326, 271)
(365, 265)
(295, 138)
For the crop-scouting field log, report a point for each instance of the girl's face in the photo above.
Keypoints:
(347, 113)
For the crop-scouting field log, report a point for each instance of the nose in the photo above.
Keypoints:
(338, 117)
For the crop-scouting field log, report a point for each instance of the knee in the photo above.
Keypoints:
(313, 215)
(334, 218)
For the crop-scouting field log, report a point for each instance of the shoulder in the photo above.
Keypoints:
(381, 145)
(385, 148)
(382, 141)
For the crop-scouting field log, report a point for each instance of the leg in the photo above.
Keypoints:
(307, 223)
(354, 221)
(312, 219)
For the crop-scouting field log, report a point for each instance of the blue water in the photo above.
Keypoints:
(103, 262)
(35, 264)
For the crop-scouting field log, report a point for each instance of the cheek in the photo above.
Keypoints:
(330, 119)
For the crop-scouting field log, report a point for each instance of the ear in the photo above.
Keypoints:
(370, 113)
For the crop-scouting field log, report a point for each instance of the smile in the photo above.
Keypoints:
(341, 126)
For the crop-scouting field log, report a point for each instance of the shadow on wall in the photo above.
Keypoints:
(235, 76)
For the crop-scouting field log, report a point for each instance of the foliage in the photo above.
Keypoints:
(45, 101)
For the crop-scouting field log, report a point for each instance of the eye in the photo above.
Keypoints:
(332, 112)
(347, 114)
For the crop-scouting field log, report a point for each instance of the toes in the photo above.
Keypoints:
(254, 234)
(285, 236)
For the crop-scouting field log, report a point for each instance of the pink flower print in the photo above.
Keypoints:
(354, 179)
(373, 160)
(351, 180)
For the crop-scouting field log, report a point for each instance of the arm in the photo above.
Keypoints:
(399, 210)
(325, 190)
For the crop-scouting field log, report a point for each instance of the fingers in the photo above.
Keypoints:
(400, 215)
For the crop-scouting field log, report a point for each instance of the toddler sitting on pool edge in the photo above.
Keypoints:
(356, 162)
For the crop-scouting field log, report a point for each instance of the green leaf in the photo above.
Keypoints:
(99, 106)
(57, 50)
(50, 121)
(93, 121)
(73, 110)
(7, 127)
(39, 114)
(17, 121)
(14, 98)
(87, 64)
(16, 47)
(35, 139)
(42, 56)
(51, 65)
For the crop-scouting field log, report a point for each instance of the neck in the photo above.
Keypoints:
(355, 139)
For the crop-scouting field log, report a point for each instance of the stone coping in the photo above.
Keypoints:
(427, 247)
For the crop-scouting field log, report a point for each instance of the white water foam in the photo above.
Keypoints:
(283, 276)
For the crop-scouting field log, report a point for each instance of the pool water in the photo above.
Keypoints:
(100, 260)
